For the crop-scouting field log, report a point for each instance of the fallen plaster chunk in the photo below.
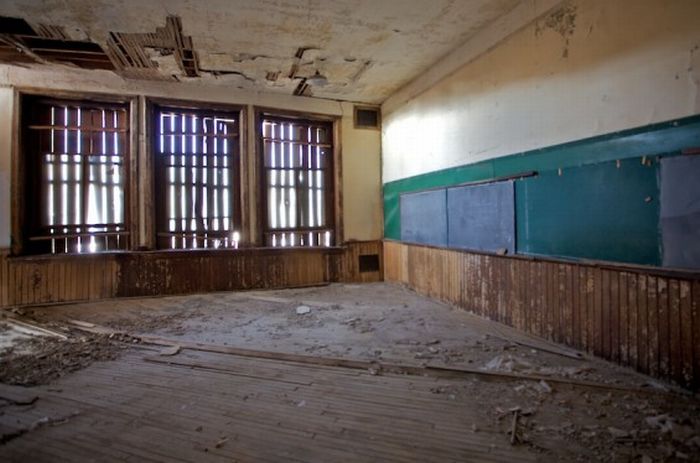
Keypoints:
(544, 387)
(618, 433)
(303, 309)
(508, 363)
(667, 425)
(169, 351)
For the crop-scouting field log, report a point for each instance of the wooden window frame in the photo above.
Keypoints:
(333, 199)
(153, 223)
(21, 184)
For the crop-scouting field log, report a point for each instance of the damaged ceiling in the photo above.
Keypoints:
(355, 50)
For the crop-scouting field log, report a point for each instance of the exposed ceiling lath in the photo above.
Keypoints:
(129, 51)
(22, 42)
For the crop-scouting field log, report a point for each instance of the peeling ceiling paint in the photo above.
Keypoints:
(366, 49)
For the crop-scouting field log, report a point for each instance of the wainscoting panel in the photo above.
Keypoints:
(639, 317)
(51, 279)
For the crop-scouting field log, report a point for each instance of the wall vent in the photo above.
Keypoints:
(367, 117)
(369, 263)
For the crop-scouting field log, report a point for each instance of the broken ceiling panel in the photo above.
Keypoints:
(22, 42)
(255, 67)
(15, 26)
(130, 51)
(365, 49)
(336, 70)
(48, 31)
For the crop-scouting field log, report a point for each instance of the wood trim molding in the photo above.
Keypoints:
(338, 181)
(17, 175)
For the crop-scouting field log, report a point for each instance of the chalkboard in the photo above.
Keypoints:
(680, 211)
(482, 217)
(606, 211)
(424, 217)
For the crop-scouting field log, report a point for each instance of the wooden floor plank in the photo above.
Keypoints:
(268, 410)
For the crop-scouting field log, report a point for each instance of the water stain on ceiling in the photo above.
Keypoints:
(356, 50)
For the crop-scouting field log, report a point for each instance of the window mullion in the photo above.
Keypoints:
(84, 175)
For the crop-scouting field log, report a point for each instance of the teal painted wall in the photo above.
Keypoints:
(653, 140)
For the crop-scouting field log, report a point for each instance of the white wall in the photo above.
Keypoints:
(626, 63)
(362, 213)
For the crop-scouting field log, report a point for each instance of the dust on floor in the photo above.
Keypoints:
(385, 323)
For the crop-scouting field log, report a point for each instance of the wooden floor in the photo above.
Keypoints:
(220, 407)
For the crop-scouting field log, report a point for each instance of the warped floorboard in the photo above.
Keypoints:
(220, 407)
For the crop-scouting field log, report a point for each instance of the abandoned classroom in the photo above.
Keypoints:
(350, 230)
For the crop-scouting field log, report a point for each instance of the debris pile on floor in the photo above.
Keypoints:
(145, 322)
(614, 426)
(40, 354)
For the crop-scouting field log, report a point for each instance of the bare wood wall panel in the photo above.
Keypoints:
(349, 270)
(4, 280)
(640, 318)
(55, 279)
(42, 280)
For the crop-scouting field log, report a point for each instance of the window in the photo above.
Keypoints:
(74, 163)
(197, 179)
(297, 182)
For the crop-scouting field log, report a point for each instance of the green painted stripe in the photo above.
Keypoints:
(652, 140)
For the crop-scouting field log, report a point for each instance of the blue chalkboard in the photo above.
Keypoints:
(482, 217)
(424, 217)
(680, 211)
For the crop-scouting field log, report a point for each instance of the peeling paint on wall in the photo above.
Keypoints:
(563, 22)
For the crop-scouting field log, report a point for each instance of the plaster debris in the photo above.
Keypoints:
(508, 363)
(303, 309)
(543, 386)
(170, 351)
(618, 433)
